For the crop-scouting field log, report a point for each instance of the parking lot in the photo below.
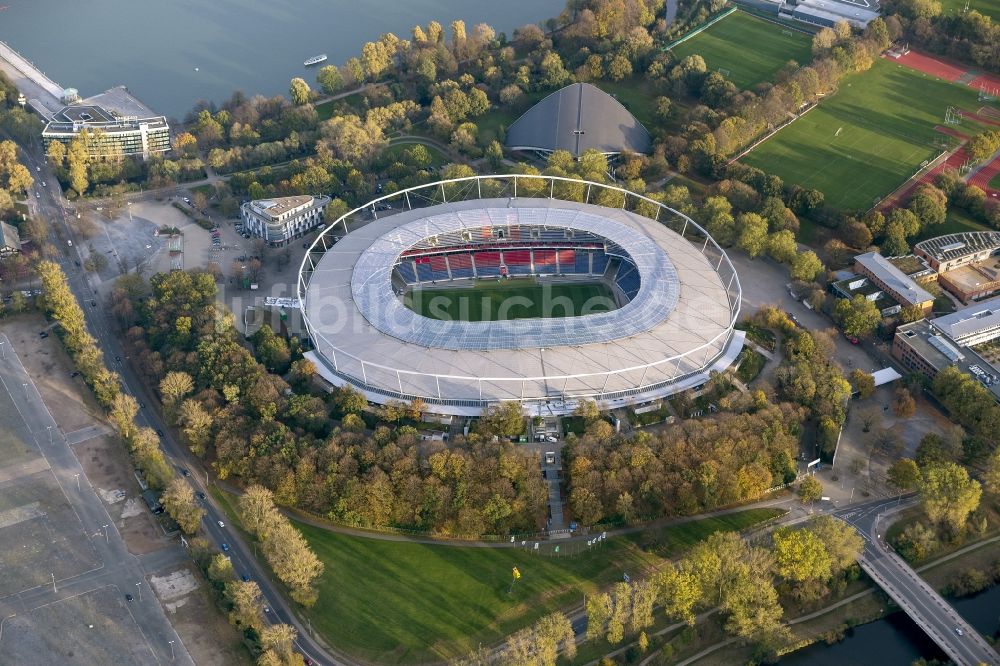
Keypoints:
(96, 627)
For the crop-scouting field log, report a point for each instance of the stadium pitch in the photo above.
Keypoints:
(870, 137)
(746, 49)
(518, 298)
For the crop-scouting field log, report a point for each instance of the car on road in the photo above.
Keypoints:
(245, 578)
(93, 303)
(225, 547)
(958, 630)
(38, 168)
(221, 524)
(305, 246)
(550, 457)
(43, 184)
(184, 472)
(187, 200)
(159, 433)
(551, 439)
(200, 495)
(852, 339)
(37, 195)
(129, 598)
(43, 335)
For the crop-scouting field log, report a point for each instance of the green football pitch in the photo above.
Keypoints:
(750, 49)
(869, 137)
(524, 298)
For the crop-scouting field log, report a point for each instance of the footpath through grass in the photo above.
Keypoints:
(491, 300)
(868, 138)
(403, 602)
(749, 48)
(400, 602)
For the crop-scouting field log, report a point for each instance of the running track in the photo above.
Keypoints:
(949, 71)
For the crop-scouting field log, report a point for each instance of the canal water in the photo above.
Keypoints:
(896, 640)
(171, 54)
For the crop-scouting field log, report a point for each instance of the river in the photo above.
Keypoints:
(171, 54)
(896, 640)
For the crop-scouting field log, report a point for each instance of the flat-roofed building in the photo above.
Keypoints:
(945, 253)
(116, 124)
(10, 241)
(900, 287)
(828, 13)
(973, 325)
(921, 348)
(283, 219)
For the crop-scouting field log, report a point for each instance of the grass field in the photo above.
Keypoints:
(989, 8)
(399, 602)
(869, 137)
(752, 49)
(958, 221)
(995, 182)
(491, 300)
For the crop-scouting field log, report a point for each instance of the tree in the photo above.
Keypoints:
(806, 266)
(494, 154)
(293, 562)
(299, 91)
(196, 425)
(541, 644)
(948, 495)
(841, 540)
(679, 592)
(174, 386)
(247, 605)
(504, 420)
(904, 474)
(220, 569)
(179, 501)
(800, 555)
(752, 233)
(991, 475)
(863, 383)
(903, 404)
(587, 410)
(278, 641)
(258, 512)
(782, 247)
(810, 489)
(858, 316)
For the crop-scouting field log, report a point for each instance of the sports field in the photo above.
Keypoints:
(751, 49)
(521, 298)
(989, 8)
(868, 138)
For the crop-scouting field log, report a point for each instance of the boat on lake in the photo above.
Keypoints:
(315, 60)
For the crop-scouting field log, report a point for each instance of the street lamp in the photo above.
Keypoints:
(128, 206)
(105, 527)
(49, 429)
(171, 650)
(25, 385)
(77, 477)
(54, 590)
(3, 350)
(139, 587)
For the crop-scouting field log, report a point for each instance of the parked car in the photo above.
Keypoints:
(43, 335)
(200, 495)
(225, 547)
(129, 598)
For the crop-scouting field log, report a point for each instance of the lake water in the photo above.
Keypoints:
(897, 640)
(249, 45)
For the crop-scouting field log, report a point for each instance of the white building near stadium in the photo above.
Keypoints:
(678, 293)
(283, 219)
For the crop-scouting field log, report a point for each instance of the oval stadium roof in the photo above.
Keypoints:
(578, 118)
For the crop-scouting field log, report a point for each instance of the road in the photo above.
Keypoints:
(959, 640)
(119, 568)
(52, 206)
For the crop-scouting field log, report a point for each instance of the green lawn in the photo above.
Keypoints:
(995, 182)
(399, 602)
(869, 137)
(958, 221)
(752, 49)
(634, 94)
(989, 8)
(521, 298)
(395, 152)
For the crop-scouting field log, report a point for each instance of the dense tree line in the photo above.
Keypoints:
(254, 426)
(691, 467)
(243, 604)
(968, 36)
(745, 581)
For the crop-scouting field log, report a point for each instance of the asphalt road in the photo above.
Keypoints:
(938, 619)
(52, 206)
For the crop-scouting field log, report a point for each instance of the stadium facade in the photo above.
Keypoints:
(678, 292)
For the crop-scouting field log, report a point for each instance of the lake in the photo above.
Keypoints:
(154, 48)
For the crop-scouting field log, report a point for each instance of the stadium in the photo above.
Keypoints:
(542, 290)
